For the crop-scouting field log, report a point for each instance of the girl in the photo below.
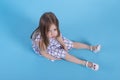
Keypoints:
(50, 43)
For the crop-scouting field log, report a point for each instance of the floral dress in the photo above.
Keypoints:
(54, 48)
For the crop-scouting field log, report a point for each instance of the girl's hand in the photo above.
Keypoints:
(65, 47)
(62, 42)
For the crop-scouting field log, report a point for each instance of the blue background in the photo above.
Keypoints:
(87, 21)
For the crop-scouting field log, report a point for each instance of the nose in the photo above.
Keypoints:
(52, 32)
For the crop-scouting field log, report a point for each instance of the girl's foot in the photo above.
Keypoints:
(92, 66)
(95, 49)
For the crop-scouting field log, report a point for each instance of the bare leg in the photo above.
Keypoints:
(78, 45)
(73, 59)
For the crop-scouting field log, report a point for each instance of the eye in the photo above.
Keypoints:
(48, 31)
(55, 29)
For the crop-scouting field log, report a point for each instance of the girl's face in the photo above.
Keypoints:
(52, 32)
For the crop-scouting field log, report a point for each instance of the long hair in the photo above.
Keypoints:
(46, 20)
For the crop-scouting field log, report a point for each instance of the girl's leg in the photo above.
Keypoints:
(73, 59)
(79, 45)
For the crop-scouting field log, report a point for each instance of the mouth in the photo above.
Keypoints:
(53, 36)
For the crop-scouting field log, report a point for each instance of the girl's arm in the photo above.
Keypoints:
(44, 53)
(60, 40)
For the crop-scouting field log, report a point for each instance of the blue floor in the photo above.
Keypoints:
(87, 21)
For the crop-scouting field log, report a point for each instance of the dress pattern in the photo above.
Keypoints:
(54, 48)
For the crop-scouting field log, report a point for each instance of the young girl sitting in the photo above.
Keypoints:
(50, 43)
